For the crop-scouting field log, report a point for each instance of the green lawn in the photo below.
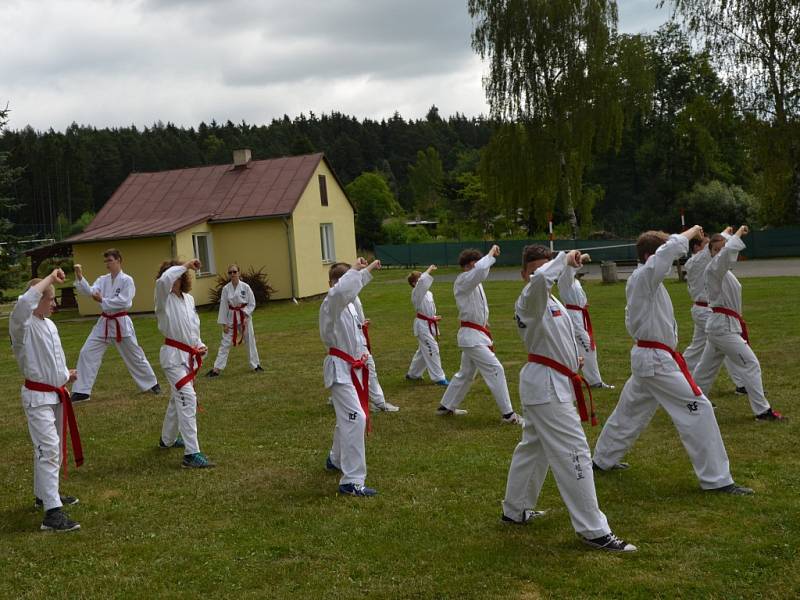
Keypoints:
(267, 522)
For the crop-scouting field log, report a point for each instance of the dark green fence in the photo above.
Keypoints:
(760, 244)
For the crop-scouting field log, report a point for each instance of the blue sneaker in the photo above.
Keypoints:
(197, 461)
(444, 382)
(331, 466)
(356, 489)
(178, 444)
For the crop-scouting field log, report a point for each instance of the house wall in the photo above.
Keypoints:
(140, 259)
(184, 250)
(312, 271)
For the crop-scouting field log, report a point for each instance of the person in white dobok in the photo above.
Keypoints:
(475, 339)
(727, 332)
(377, 400)
(695, 282)
(552, 436)
(426, 329)
(571, 292)
(346, 375)
(114, 292)
(37, 349)
(659, 374)
(236, 306)
(181, 358)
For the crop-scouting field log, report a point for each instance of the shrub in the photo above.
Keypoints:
(48, 264)
(258, 281)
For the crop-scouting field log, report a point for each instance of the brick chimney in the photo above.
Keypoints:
(241, 158)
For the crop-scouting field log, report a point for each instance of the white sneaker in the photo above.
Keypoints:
(603, 386)
(446, 412)
(385, 407)
(514, 419)
(527, 515)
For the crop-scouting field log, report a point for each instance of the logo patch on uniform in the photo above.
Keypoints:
(352, 416)
(692, 406)
(554, 311)
(243, 294)
(117, 291)
(520, 324)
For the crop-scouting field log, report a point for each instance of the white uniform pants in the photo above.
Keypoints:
(427, 357)
(692, 416)
(590, 369)
(553, 437)
(132, 355)
(695, 349)
(376, 396)
(733, 347)
(181, 415)
(44, 425)
(348, 451)
(478, 359)
(227, 341)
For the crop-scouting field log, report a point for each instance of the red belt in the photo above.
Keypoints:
(481, 328)
(114, 317)
(362, 387)
(735, 315)
(364, 327)
(703, 304)
(69, 423)
(587, 322)
(195, 360)
(433, 324)
(678, 359)
(577, 382)
(239, 319)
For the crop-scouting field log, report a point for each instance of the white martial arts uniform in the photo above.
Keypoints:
(657, 379)
(178, 320)
(571, 292)
(241, 295)
(338, 328)
(475, 352)
(117, 293)
(37, 348)
(427, 355)
(695, 282)
(552, 436)
(724, 332)
(376, 396)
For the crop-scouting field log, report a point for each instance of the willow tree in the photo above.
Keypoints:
(756, 43)
(554, 82)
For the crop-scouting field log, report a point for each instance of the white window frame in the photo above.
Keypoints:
(327, 244)
(207, 267)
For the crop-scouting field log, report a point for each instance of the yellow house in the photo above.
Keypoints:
(289, 216)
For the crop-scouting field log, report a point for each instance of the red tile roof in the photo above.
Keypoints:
(162, 203)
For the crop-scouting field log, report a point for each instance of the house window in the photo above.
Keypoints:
(204, 252)
(326, 241)
(323, 190)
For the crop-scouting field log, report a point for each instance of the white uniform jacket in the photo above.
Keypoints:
(241, 294)
(177, 318)
(118, 294)
(356, 309)
(648, 314)
(472, 304)
(422, 299)
(571, 292)
(37, 348)
(695, 275)
(338, 326)
(723, 288)
(546, 329)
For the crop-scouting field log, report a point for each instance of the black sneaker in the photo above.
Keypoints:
(734, 490)
(179, 443)
(770, 415)
(155, 390)
(741, 390)
(617, 467)
(197, 461)
(78, 397)
(212, 373)
(57, 520)
(258, 369)
(527, 516)
(65, 500)
(609, 543)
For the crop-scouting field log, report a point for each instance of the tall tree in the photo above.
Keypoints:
(425, 177)
(8, 206)
(550, 71)
(757, 44)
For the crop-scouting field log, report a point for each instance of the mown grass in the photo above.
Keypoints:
(267, 522)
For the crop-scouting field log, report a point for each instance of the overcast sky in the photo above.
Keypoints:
(118, 62)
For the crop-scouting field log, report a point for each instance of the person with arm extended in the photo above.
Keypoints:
(426, 329)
